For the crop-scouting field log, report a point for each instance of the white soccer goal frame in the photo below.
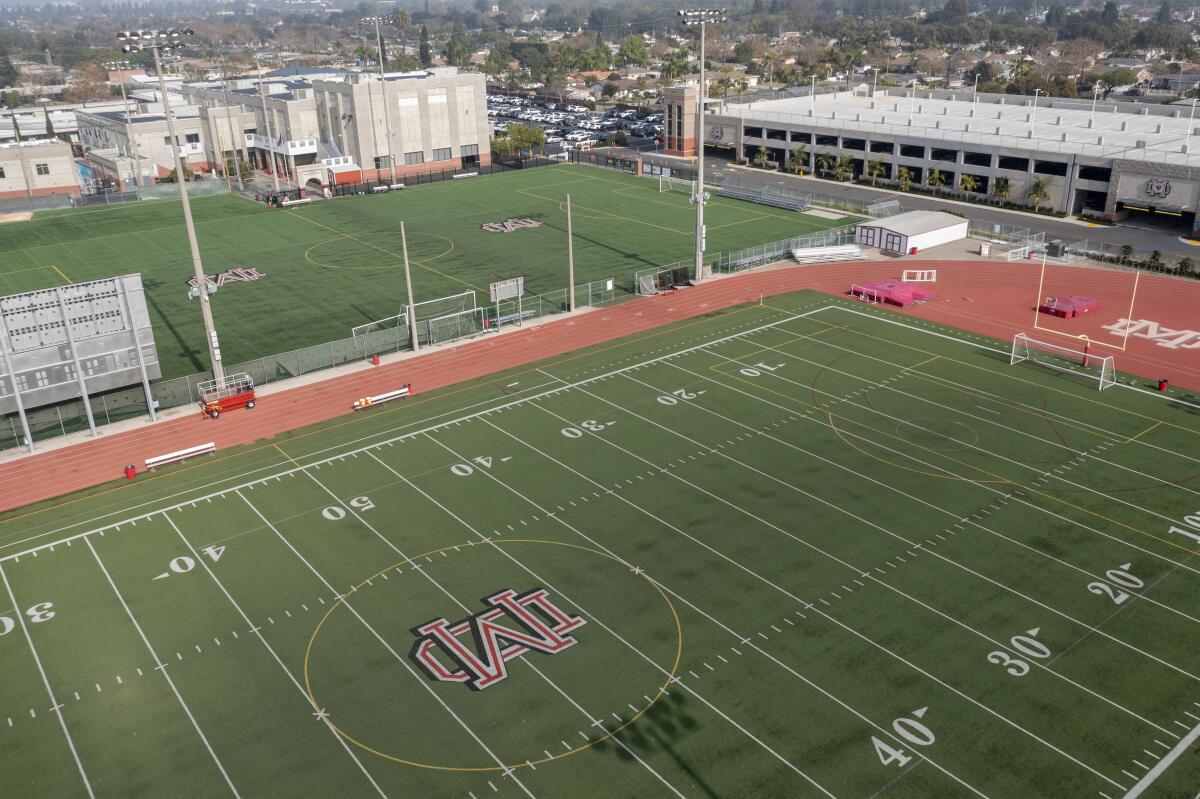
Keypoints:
(860, 293)
(919, 276)
(667, 183)
(1077, 361)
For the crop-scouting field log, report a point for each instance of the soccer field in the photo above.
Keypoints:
(801, 549)
(336, 264)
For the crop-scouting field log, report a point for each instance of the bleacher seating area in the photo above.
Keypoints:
(765, 194)
(824, 255)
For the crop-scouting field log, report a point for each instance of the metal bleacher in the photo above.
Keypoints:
(825, 255)
(765, 194)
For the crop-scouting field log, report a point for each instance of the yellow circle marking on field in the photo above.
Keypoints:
(526, 763)
(309, 257)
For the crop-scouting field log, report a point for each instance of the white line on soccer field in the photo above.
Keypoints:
(386, 645)
(1008, 496)
(258, 632)
(55, 705)
(795, 598)
(982, 450)
(162, 667)
(529, 663)
(741, 638)
(1161, 766)
(834, 557)
(375, 445)
(968, 389)
(936, 554)
(881, 318)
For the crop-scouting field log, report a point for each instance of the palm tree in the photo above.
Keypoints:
(1001, 189)
(1039, 192)
(771, 60)
(904, 178)
(402, 20)
(968, 183)
(797, 161)
(824, 163)
(936, 179)
(761, 157)
(844, 168)
(876, 169)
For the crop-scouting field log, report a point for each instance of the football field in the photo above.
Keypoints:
(801, 549)
(332, 265)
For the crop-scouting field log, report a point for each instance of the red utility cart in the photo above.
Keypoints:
(235, 391)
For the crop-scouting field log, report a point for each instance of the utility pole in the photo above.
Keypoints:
(412, 307)
(168, 40)
(137, 156)
(387, 120)
(570, 260)
(700, 17)
(270, 136)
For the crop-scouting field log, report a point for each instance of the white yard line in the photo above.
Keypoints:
(250, 625)
(1161, 766)
(55, 705)
(385, 442)
(432, 581)
(744, 639)
(400, 659)
(951, 514)
(162, 667)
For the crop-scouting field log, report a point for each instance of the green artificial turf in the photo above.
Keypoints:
(333, 265)
(819, 550)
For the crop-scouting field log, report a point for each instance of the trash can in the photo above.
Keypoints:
(1162, 384)
(130, 471)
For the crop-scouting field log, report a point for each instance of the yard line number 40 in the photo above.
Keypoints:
(911, 729)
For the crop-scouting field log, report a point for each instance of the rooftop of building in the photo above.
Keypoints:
(7, 145)
(1054, 125)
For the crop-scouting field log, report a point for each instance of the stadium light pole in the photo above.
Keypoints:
(701, 17)
(1095, 97)
(570, 260)
(1187, 141)
(387, 121)
(168, 40)
(237, 167)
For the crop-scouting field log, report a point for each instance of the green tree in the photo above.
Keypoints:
(12, 99)
(968, 183)
(426, 48)
(1163, 17)
(1001, 189)
(519, 137)
(876, 169)
(844, 168)
(825, 163)
(936, 179)
(674, 65)
(904, 178)
(797, 161)
(761, 157)
(609, 90)
(8, 73)
(1111, 15)
(743, 53)
(402, 19)
(1038, 192)
(1186, 266)
(634, 51)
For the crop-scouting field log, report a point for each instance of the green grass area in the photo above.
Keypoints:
(818, 549)
(333, 265)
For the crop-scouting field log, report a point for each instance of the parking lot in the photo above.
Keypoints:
(570, 126)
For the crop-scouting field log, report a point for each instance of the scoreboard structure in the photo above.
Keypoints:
(68, 342)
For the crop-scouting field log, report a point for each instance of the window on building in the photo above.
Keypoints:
(193, 138)
(753, 133)
(42, 169)
(977, 159)
(799, 136)
(470, 149)
(912, 151)
(414, 158)
(1013, 163)
(938, 154)
(827, 141)
(167, 140)
(883, 147)
(441, 154)
(1050, 168)
(1, 173)
(777, 135)
(854, 144)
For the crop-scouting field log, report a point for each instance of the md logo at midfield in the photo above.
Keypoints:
(509, 225)
(536, 624)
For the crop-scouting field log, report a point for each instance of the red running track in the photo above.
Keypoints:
(991, 299)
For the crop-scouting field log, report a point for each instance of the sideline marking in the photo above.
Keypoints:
(1161, 766)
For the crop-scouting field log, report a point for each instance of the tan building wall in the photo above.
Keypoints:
(48, 168)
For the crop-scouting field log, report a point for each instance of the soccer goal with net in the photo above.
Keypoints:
(1078, 360)
(864, 293)
(666, 183)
